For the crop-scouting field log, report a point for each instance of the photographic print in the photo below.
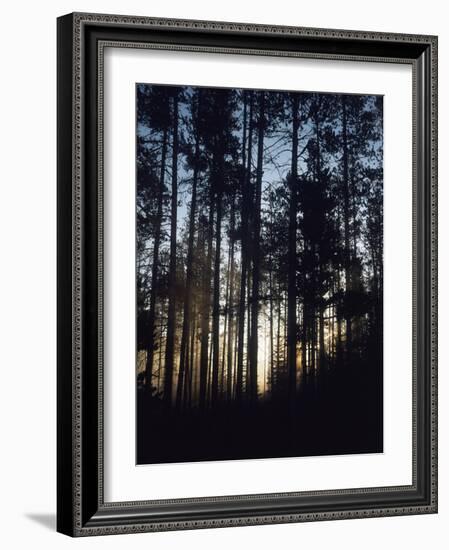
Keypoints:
(259, 273)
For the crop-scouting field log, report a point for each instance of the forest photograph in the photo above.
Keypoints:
(259, 273)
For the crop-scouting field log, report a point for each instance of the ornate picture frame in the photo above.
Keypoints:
(81, 506)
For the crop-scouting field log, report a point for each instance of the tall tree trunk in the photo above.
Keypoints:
(159, 363)
(248, 309)
(216, 301)
(339, 347)
(155, 268)
(171, 320)
(313, 316)
(224, 347)
(278, 340)
(321, 290)
(339, 351)
(183, 360)
(246, 183)
(205, 314)
(253, 350)
(284, 347)
(304, 339)
(321, 335)
(271, 328)
(356, 270)
(291, 291)
(190, 365)
(235, 352)
(209, 374)
(231, 304)
(346, 214)
(271, 291)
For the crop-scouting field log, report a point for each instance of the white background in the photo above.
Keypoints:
(27, 299)
(123, 481)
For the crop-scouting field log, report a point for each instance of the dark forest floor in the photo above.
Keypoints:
(339, 412)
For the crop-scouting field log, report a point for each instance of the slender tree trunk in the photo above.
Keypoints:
(183, 359)
(155, 268)
(356, 278)
(246, 183)
(224, 347)
(278, 341)
(209, 373)
(284, 346)
(216, 301)
(181, 401)
(159, 363)
(191, 365)
(339, 344)
(235, 352)
(248, 314)
(195, 364)
(353, 214)
(321, 336)
(253, 351)
(313, 316)
(321, 290)
(291, 322)
(339, 348)
(231, 305)
(346, 214)
(271, 290)
(331, 347)
(171, 320)
(205, 314)
(304, 338)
